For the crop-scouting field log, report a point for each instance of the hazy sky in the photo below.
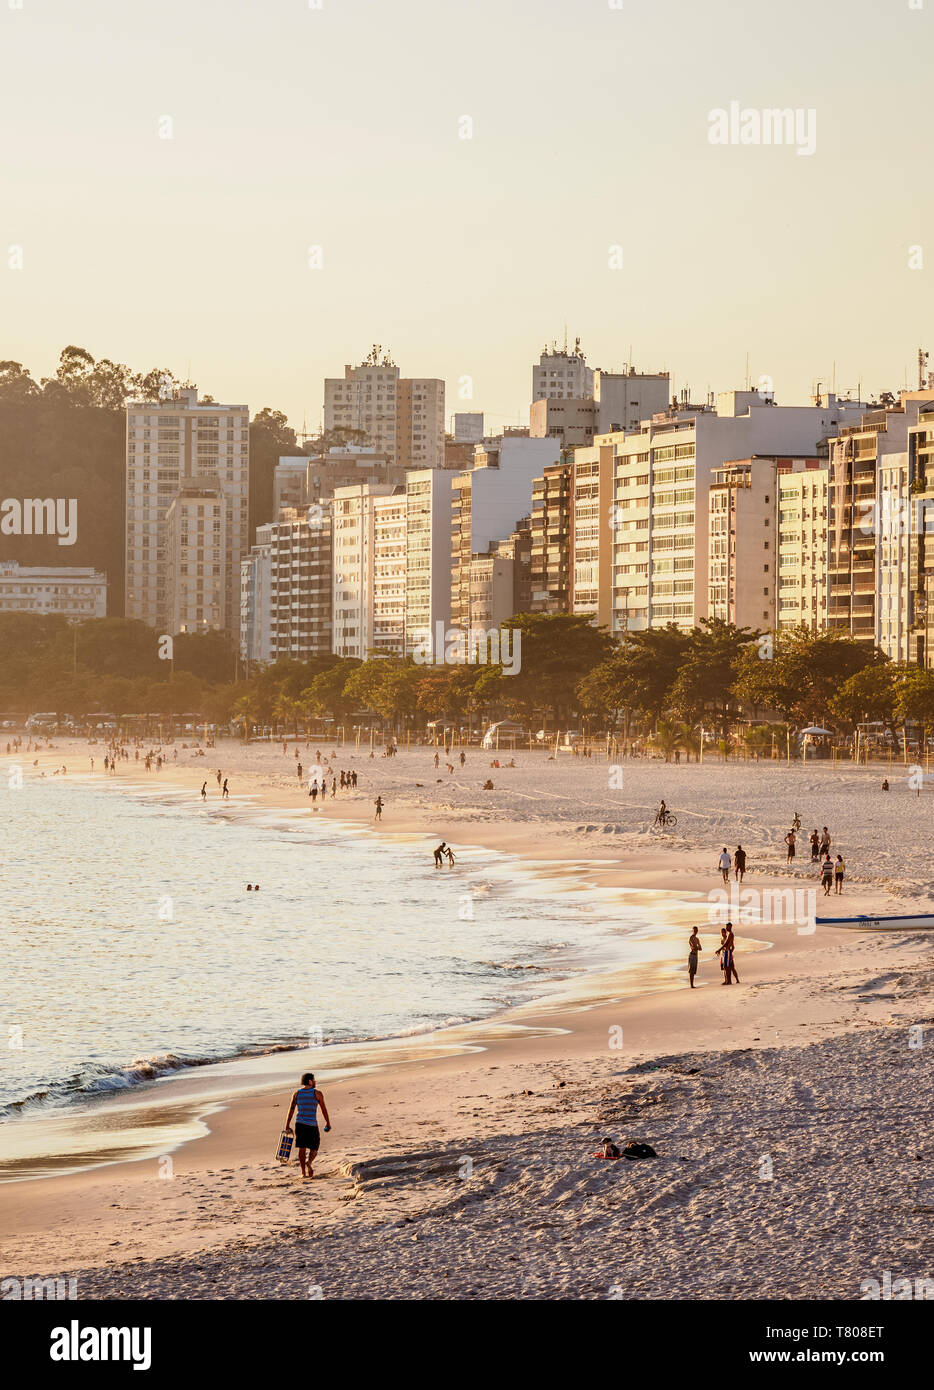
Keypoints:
(338, 127)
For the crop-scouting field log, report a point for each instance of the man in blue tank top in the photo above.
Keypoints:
(307, 1134)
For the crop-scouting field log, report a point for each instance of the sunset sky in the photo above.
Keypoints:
(295, 127)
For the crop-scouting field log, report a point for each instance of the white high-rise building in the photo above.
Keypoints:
(402, 417)
(368, 547)
(172, 444)
(196, 559)
(663, 477)
(562, 374)
(428, 494)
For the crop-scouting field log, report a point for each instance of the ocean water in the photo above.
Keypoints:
(131, 947)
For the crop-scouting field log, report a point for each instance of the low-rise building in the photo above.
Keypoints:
(76, 591)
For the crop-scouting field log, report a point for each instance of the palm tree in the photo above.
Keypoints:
(670, 737)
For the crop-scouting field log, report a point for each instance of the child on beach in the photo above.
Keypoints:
(839, 868)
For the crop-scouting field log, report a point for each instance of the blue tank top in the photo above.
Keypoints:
(307, 1106)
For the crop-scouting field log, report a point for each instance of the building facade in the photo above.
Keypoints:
(428, 495)
(76, 591)
(487, 503)
(172, 444)
(196, 560)
(402, 417)
(562, 375)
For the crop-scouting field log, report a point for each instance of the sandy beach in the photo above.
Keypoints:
(790, 1116)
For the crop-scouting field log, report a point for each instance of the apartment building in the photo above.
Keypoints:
(767, 542)
(487, 502)
(402, 417)
(499, 580)
(562, 375)
(256, 599)
(551, 526)
(468, 426)
(368, 540)
(171, 444)
(803, 543)
(593, 483)
(663, 474)
(300, 583)
(622, 400)
(195, 539)
(571, 422)
(872, 589)
(428, 494)
(921, 569)
(73, 590)
(303, 479)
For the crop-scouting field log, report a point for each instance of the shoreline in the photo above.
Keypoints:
(226, 1191)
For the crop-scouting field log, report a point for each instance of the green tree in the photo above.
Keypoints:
(798, 673)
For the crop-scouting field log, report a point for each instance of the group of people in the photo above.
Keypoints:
(726, 951)
(221, 782)
(831, 870)
(441, 852)
(737, 863)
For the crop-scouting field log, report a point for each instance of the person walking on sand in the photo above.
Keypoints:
(739, 864)
(839, 869)
(694, 945)
(463, 757)
(379, 808)
(725, 863)
(204, 791)
(826, 874)
(790, 842)
(815, 846)
(225, 793)
(307, 1134)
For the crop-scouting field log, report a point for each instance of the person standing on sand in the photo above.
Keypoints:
(307, 1134)
(790, 842)
(731, 954)
(724, 863)
(824, 842)
(739, 864)
(379, 808)
(839, 869)
(204, 791)
(463, 758)
(694, 945)
(826, 874)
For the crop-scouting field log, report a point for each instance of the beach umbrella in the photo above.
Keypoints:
(815, 729)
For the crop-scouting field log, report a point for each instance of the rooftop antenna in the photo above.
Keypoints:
(922, 367)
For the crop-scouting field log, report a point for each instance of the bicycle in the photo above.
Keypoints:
(666, 820)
